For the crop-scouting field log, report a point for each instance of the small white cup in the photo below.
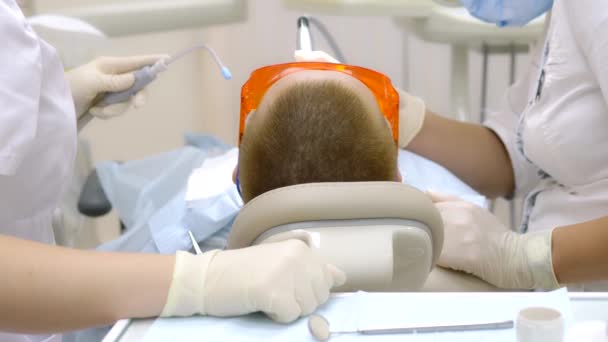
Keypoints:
(540, 324)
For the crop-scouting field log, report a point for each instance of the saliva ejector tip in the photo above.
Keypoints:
(224, 70)
(226, 73)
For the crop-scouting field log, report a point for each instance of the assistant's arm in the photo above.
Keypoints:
(477, 242)
(580, 253)
(50, 289)
(473, 152)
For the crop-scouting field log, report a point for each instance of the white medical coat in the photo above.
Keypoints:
(555, 122)
(37, 133)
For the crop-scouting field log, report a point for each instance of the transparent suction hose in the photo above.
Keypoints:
(225, 71)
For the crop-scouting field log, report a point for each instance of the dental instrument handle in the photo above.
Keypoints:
(440, 328)
(83, 121)
(143, 77)
(197, 248)
(305, 41)
(304, 37)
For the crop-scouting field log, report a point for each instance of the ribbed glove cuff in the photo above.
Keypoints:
(187, 291)
(412, 111)
(540, 260)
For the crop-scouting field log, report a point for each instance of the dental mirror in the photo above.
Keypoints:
(319, 328)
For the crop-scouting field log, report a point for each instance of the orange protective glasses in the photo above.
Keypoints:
(262, 79)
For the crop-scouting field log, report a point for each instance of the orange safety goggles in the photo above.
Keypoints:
(262, 79)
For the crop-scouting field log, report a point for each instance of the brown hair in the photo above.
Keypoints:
(315, 131)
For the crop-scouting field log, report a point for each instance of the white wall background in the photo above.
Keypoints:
(192, 96)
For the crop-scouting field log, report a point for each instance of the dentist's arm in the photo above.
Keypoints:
(473, 152)
(48, 289)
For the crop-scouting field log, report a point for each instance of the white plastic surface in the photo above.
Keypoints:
(401, 8)
(588, 331)
(119, 18)
(457, 26)
(372, 310)
(585, 306)
(385, 258)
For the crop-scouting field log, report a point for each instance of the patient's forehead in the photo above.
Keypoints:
(348, 81)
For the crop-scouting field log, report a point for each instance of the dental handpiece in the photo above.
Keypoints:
(147, 74)
(304, 37)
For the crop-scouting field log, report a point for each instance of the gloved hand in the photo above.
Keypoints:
(412, 109)
(285, 280)
(476, 242)
(107, 74)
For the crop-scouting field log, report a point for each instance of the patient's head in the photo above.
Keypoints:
(315, 126)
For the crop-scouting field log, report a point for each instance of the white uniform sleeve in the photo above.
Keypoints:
(20, 82)
(588, 21)
(505, 122)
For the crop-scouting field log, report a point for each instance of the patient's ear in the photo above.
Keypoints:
(398, 177)
(234, 173)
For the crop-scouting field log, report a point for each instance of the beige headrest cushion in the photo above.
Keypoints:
(335, 201)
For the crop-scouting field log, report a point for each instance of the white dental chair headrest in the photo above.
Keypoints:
(375, 231)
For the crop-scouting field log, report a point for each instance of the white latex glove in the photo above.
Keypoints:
(107, 74)
(412, 109)
(285, 280)
(476, 242)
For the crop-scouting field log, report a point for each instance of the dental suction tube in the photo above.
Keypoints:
(146, 75)
(224, 70)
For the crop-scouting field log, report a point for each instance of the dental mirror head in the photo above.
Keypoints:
(319, 327)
